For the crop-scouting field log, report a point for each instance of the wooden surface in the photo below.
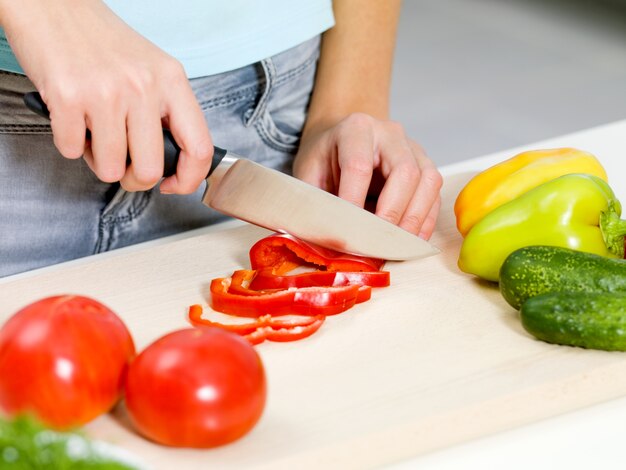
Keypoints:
(436, 359)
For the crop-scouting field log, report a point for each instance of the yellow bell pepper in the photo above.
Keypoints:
(509, 179)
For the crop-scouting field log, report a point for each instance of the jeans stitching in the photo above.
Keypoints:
(260, 124)
(296, 71)
(271, 141)
(230, 98)
(25, 129)
(250, 91)
(108, 223)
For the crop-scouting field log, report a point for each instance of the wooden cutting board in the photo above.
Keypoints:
(435, 359)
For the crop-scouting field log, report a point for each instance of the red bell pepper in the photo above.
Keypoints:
(301, 301)
(266, 291)
(265, 279)
(265, 327)
(283, 252)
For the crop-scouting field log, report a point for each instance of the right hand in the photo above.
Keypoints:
(95, 72)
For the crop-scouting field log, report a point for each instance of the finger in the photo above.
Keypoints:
(428, 227)
(145, 144)
(402, 174)
(426, 194)
(355, 156)
(317, 165)
(313, 173)
(192, 134)
(68, 130)
(109, 146)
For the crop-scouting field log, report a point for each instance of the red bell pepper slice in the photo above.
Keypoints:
(266, 292)
(302, 301)
(195, 317)
(364, 294)
(265, 327)
(265, 280)
(283, 252)
(282, 335)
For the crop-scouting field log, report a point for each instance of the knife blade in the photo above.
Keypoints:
(246, 190)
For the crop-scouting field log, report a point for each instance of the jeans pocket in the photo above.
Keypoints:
(284, 112)
(275, 135)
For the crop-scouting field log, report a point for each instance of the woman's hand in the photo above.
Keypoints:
(95, 72)
(350, 158)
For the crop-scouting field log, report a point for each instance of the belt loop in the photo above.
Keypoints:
(269, 72)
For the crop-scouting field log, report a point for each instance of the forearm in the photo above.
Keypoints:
(354, 72)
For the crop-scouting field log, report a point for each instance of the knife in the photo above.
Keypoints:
(241, 188)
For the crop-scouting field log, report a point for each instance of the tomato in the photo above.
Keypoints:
(64, 359)
(197, 387)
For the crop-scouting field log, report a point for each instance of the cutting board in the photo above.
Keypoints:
(436, 359)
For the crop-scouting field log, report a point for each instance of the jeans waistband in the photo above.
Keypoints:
(266, 74)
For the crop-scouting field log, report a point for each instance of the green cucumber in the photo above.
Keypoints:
(595, 320)
(535, 270)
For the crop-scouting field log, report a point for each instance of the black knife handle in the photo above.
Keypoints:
(171, 150)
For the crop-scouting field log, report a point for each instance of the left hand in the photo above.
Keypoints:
(353, 158)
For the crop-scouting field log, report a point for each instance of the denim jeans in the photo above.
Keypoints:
(53, 209)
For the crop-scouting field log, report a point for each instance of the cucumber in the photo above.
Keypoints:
(534, 270)
(595, 320)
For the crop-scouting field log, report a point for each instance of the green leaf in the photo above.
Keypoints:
(25, 444)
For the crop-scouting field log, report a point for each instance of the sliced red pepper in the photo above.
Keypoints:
(283, 252)
(303, 301)
(265, 280)
(265, 291)
(241, 283)
(364, 294)
(195, 317)
(293, 333)
(265, 327)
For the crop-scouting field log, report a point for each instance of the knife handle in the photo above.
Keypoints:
(171, 150)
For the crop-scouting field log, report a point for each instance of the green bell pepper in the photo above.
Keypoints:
(577, 211)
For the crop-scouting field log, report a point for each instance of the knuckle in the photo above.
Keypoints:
(417, 148)
(358, 120)
(186, 187)
(433, 178)
(172, 69)
(143, 82)
(395, 128)
(391, 215)
(202, 150)
(110, 174)
(408, 170)
(63, 98)
(147, 177)
(357, 166)
(412, 222)
(105, 92)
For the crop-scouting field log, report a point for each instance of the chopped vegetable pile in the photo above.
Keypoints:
(332, 282)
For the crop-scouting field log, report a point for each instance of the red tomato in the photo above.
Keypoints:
(64, 359)
(197, 387)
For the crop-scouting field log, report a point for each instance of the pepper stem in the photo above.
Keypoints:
(613, 230)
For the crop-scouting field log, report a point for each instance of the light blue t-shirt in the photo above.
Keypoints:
(214, 36)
